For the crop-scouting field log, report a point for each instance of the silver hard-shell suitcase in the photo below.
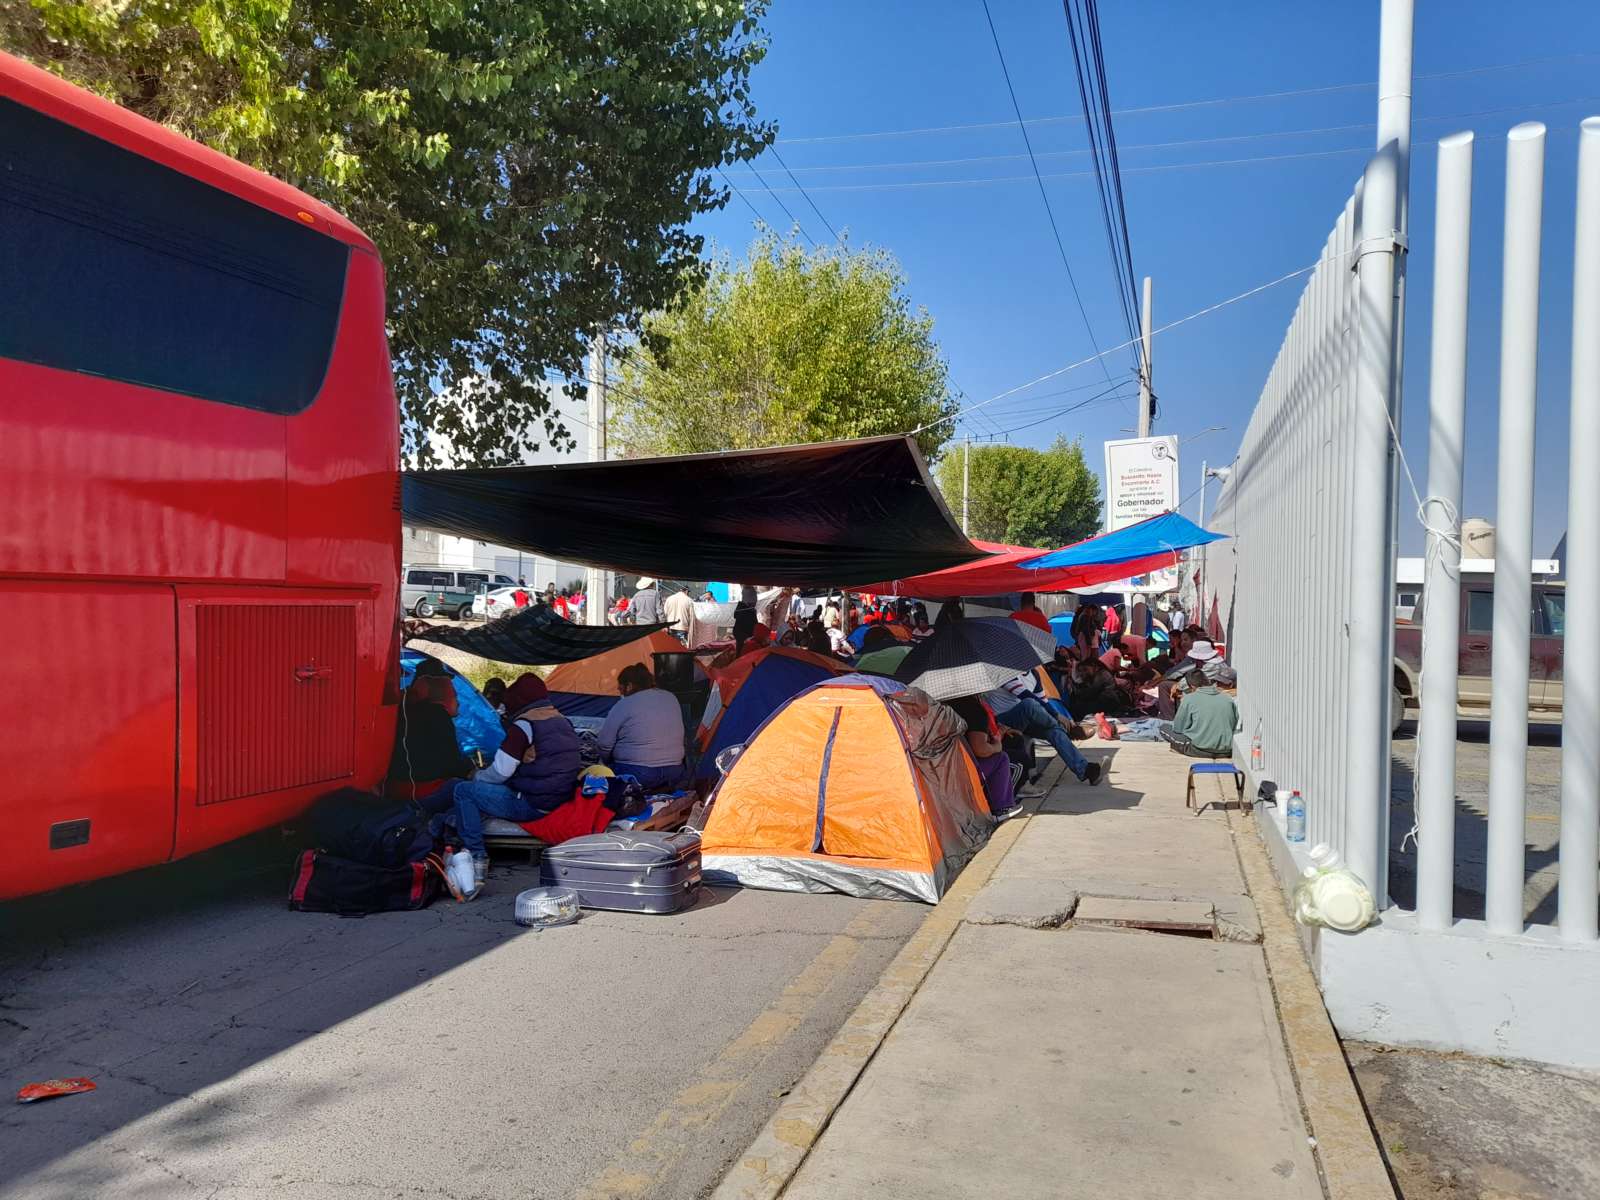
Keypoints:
(627, 870)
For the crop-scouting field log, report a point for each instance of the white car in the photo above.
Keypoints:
(489, 605)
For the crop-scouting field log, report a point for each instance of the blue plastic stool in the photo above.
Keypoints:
(1212, 768)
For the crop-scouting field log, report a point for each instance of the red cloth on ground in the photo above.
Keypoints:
(1032, 616)
(580, 816)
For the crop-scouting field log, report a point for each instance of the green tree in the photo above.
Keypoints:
(787, 346)
(1025, 497)
(526, 167)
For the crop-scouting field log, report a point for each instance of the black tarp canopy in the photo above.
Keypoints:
(837, 513)
(533, 636)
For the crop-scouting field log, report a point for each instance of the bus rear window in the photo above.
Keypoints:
(117, 266)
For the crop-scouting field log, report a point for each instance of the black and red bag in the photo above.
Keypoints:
(325, 883)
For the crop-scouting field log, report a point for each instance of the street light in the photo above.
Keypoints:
(1208, 429)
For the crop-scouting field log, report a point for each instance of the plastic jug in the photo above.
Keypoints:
(1331, 895)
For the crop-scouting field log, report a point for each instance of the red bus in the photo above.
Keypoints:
(199, 493)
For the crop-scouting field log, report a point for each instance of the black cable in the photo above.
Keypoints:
(794, 220)
(1044, 195)
(1071, 408)
(1094, 94)
(773, 150)
(760, 220)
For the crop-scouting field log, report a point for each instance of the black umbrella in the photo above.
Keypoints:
(968, 657)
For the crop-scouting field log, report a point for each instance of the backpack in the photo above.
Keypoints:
(356, 825)
(326, 883)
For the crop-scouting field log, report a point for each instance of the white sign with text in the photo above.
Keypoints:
(1142, 482)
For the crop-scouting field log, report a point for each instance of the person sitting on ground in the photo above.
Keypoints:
(643, 733)
(1028, 613)
(532, 773)
(984, 739)
(881, 652)
(921, 631)
(427, 757)
(1206, 721)
(1204, 654)
(1094, 691)
(838, 643)
(815, 637)
(495, 693)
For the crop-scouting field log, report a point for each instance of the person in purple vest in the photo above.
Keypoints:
(533, 772)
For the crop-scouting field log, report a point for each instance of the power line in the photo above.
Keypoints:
(1089, 66)
(1358, 127)
(774, 151)
(1189, 104)
(760, 220)
(1097, 398)
(794, 220)
(1043, 195)
(1082, 362)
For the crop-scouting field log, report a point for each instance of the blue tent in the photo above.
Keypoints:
(1157, 535)
(768, 684)
(477, 724)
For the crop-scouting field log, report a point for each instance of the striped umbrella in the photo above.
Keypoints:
(972, 656)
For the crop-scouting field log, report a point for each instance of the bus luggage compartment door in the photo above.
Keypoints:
(269, 710)
(92, 727)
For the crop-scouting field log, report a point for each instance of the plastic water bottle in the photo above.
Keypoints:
(1295, 817)
(1257, 755)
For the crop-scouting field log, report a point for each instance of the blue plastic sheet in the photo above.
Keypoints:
(477, 724)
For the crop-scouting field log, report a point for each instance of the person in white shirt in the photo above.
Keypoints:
(643, 735)
(679, 609)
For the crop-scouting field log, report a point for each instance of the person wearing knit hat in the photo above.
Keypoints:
(532, 774)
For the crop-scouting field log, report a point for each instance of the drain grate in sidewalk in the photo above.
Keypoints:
(1185, 918)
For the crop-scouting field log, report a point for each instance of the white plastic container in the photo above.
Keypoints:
(1331, 895)
(546, 907)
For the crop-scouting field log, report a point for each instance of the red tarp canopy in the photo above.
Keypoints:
(1001, 573)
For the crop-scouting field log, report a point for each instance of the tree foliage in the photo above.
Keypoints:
(1025, 497)
(788, 346)
(526, 167)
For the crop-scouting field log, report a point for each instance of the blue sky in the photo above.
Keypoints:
(980, 256)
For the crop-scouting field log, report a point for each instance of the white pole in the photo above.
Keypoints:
(1441, 591)
(1513, 581)
(1203, 478)
(1371, 604)
(1579, 882)
(1145, 364)
(966, 484)
(598, 583)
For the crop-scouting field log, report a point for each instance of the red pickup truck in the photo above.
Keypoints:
(1477, 625)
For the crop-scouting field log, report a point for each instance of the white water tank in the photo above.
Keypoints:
(1477, 538)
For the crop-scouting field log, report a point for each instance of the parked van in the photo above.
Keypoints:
(1476, 651)
(427, 589)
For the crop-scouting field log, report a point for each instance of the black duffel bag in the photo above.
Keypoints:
(326, 883)
(369, 829)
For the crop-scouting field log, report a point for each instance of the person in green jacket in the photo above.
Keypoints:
(1206, 722)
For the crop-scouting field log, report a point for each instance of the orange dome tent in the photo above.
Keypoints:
(857, 785)
(588, 687)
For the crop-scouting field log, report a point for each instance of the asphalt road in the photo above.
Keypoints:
(1543, 824)
(239, 1047)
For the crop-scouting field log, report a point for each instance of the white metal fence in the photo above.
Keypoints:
(1304, 591)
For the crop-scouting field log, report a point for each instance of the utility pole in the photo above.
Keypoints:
(598, 585)
(966, 483)
(1144, 363)
(1203, 478)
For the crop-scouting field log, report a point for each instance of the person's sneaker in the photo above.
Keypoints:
(1006, 814)
(1031, 792)
(1092, 775)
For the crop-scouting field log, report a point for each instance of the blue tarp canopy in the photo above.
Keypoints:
(1152, 538)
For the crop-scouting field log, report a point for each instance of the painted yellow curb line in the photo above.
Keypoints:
(1346, 1149)
(770, 1162)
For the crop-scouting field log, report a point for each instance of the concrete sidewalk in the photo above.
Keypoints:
(1101, 1021)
